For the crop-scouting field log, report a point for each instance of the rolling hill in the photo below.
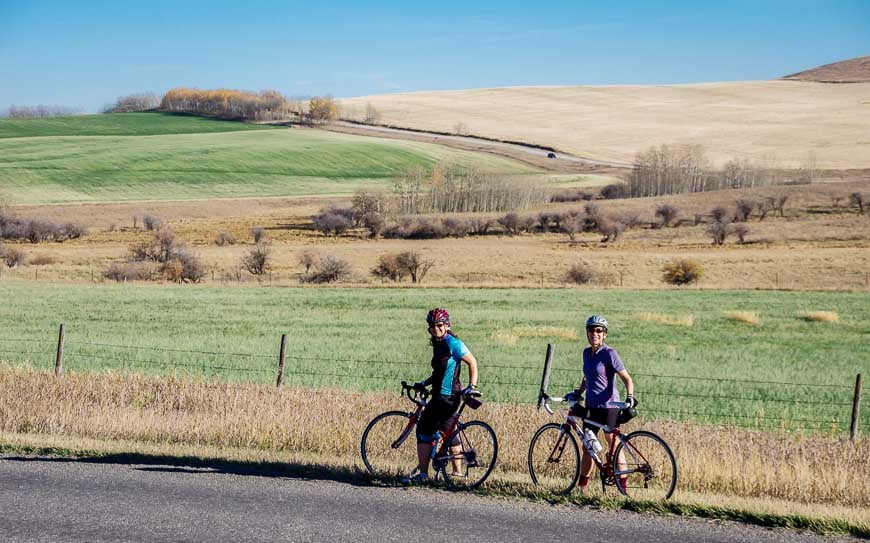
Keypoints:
(854, 70)
(125, 157)
(783, 123)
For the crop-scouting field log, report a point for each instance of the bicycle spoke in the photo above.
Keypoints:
(470, 455)
(377, 443)
(554, 459)
(646, 468)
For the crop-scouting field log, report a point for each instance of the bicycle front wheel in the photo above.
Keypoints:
(554, 459)
(469, 455)
(645, 467)
(389, 446)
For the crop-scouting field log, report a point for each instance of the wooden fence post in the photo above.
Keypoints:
(281, 359)
(545, 378)
(58, 361)
(856, 408)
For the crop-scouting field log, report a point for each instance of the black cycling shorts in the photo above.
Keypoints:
(601, 415)
(436, 416)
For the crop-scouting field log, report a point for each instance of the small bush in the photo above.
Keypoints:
(375, 223)
(572, 195)
(611, 229)
(129, 271)
(258, 234)
(572, 223)
(457, 228)
(388, 267)
(415, 264)
(150, 222)
(331, 223)
(479, 227)
(858, 200)
(257, 259)
(667, 214)
(225, 238)
(615, 191)
(719, 231)
(682, 272)
(330, 269)
(192, 269)
(719, 214)
(740, 230)
(309, 259)
(71, 230)
(580, 274)
(13, 256)
(42, 260)
(743, 210)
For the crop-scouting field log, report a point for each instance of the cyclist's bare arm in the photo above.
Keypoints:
(472, 368)
(626, 380)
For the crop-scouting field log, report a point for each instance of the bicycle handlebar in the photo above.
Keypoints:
(547, 399)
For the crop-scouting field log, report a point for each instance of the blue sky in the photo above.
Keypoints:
(87, 53)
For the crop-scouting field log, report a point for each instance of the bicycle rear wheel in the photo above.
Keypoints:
(554, 459)
(471, 453)
(650, 469)
(379, 454)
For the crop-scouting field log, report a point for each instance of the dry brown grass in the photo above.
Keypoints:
(748, 317)
(325, 425)
(42, 259)
(672, 320)
(819, 316)
(816, 246)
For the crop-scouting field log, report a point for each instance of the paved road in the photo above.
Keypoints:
(43, 499)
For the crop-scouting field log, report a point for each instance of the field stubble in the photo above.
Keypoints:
(817, 475)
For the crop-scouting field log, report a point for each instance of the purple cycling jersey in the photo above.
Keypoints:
(599, 370)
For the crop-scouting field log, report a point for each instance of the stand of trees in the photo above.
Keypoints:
(228, 103)
(145, 101)
(39, 111)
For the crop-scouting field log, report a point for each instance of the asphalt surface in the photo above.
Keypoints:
(47, 499)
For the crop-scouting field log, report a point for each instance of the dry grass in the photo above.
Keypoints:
(264, 421)
(748, 317)
(672, 320)
(510, 337)
(816, 246)
(782, 121)
(819, 316)
(42, 260)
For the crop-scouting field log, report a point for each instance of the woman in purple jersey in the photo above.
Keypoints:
(601, 364)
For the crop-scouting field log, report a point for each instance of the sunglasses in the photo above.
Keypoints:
(438, 325)
(597, 330)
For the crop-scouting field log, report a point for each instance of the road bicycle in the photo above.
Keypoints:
(463, 456)
(644, 467)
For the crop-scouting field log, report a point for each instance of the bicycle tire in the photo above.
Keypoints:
(375, 446)
(554, 459)
(650, 465)
(475, 460)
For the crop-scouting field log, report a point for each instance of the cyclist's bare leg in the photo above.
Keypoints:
(424, 451)
(456, 453)
(620, 461)
(585, 469)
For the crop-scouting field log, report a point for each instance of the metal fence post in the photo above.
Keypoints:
(281, 359)
(545, 378)
(58, 361)
(856, 408)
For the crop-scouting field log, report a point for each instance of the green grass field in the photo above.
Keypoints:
(371, 338)
(159, 157)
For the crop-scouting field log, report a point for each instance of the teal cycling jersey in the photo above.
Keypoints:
(446, 356)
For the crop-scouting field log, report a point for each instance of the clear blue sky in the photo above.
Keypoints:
(87, 53)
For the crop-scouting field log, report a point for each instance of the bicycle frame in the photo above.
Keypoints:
(439, 454)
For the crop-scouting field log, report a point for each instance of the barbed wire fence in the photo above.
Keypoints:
(829, 407)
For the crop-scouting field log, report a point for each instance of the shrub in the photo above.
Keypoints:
(415, 229)
(257, 259)
(457, 228)
(719, 214)
(571, 195)
(572, 223)
(581, 274)
(150, 222)
(740, 230)
(667, 214)
(330, 269)
(374, 222)
(225, 238)
(388, 267)
(592, 217)
(12, 257)
(40, 260)
(38, 230)
(164, 244)
(682, 272)
(614, 191)
(479, 227)
(629, 219)
(416, 265)
(331, 223)
(171, 271)
(192, 269)
(744, 210)
(510, 222)
(258, 234)
(71, 230)
(611, 229)
(719, 230)
(309, 259)
(129, 271)
(858, 199)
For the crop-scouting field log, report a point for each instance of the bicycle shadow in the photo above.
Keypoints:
(193, 465)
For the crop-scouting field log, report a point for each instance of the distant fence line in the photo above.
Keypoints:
(521, 378)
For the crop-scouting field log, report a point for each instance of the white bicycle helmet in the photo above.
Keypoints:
(596, 320)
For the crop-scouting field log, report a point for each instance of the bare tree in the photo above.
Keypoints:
(667, 213)
(415, 264)
(373, 116)
(743, 210)
(740, 230)
(858, 199)
(257, 259)
(719, 231)
(309, 259)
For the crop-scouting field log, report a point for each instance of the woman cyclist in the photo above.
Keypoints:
(447, 353)
(601, 363)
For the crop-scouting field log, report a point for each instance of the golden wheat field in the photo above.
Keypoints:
(786, 123)
(818, 475)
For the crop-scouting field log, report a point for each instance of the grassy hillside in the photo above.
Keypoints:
(124, 124)
(166, 157)
(784, 123)
(233, 333)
